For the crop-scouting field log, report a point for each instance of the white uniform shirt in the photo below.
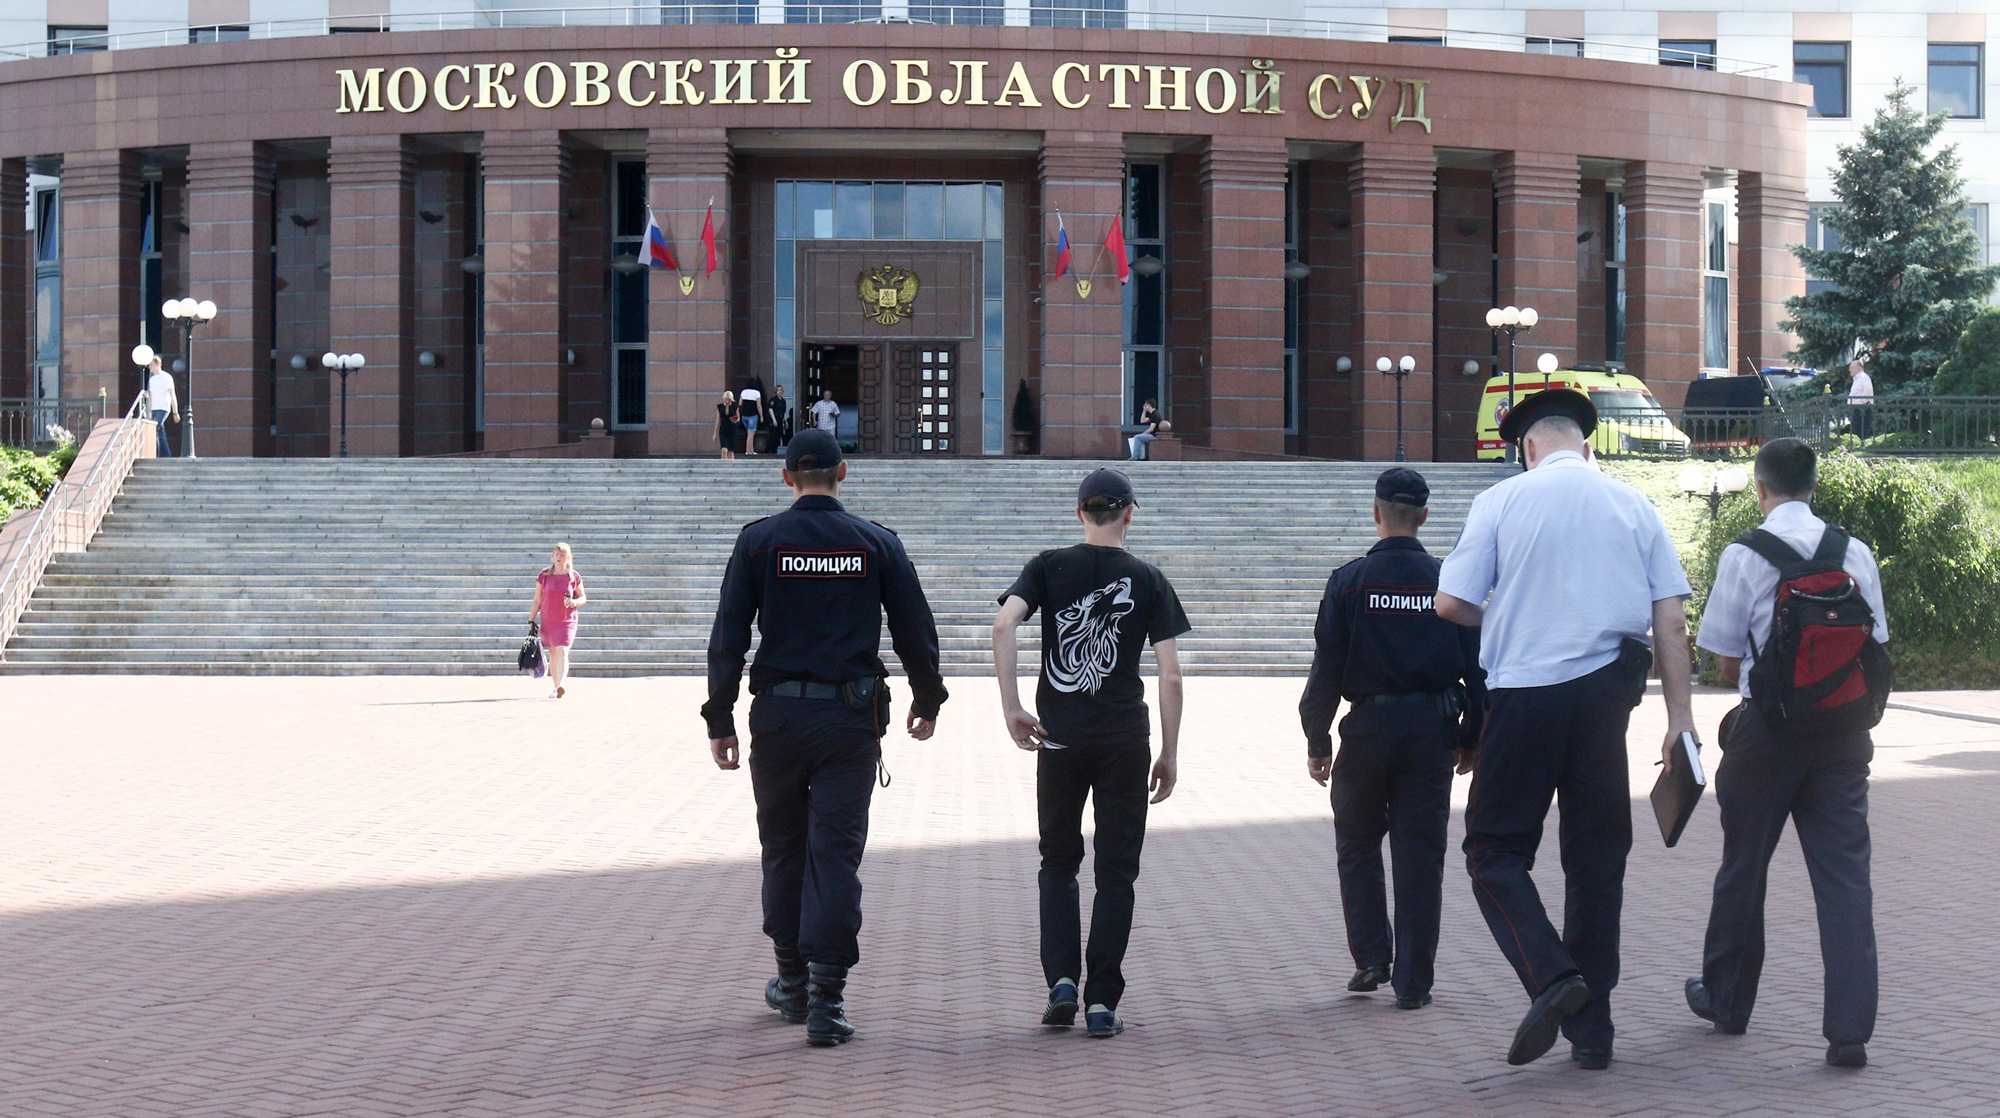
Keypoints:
(1862, 391)
(160, 392)
(824, 412)
(1746, 587)
(1573, 560)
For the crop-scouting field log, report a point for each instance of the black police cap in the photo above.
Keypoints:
(1403, 486)
(812, 449)
(1548, 402)
(1104, 490)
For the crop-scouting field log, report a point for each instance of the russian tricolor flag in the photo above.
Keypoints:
(1062, 248)
(659, 254)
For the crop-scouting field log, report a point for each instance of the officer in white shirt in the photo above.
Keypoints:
(1566, 570)
(1764, 777)
(160, 396)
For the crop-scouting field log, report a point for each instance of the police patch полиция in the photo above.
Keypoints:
(822, 564)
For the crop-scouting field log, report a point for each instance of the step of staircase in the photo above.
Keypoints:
(370, 566)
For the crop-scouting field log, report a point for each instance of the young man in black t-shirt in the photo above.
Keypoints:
(1099, 608)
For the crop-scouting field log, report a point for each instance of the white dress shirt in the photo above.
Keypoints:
(824, 412)
(1862, 390)
(160, 392)
(1746, 587)
(1573, 561)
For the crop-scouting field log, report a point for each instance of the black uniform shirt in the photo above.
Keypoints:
(816, 578)
(1100, 605)
(1379, 633)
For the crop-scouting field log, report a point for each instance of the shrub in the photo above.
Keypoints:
(1940, 560)
(1974, 366)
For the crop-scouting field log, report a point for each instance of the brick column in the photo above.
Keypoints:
(1083, 340)
(100, 275)
(372, 303)
(1537, 196)
(1243, 234)
(229, 261)
(1770, 217)
(1392, 189)
(17, 274)
(687, 339)
(525, 173)
(1663, 276)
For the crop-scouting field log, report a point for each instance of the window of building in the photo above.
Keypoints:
(218, 34)
(1568, 48)
(1294, 288)
(78, 40)
(1145, 296)
(48, 227)
(628, 294)
(1820, 235)
(354, 30)
(1418, 40)
(1614, 277)
(1696, 54)
(974, 13)
(709, 11)
(1715, 287)
(1956, 75)
(1076, 13)
(152, 324)
(1975, 216)
(1824, 67)
(46, 205)
(832, 13)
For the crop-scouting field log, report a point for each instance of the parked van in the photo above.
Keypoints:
(1629, 419)
(1726, 414)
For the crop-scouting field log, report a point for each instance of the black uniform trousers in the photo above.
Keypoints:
(812, 766)
(1822, 785)
(1114, 778)
(1565, 740)
(1392, 777)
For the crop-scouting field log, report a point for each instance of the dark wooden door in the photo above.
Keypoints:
(871, 426)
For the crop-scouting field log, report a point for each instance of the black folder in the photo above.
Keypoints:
(1679, 789)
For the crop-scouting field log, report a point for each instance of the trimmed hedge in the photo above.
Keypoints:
(1940, 559)
(27, 477)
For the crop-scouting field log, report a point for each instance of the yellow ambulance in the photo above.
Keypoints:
(1629, 419)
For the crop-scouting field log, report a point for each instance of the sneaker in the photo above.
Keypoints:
(1061, 1013)
(1103, 1021)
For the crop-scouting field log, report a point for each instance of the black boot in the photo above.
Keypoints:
(826, 1007)
(787, 992)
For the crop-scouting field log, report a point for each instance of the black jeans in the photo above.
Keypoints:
(1567, 740)
(812, 766)
(1114, 776)
(1393, 777)
(1822, 786)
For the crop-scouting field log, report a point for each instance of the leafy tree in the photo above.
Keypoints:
(1974, 368)
(1907, 274)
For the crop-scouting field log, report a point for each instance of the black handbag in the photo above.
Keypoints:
(531, 651)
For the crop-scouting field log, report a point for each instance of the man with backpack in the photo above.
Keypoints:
(1796, 620)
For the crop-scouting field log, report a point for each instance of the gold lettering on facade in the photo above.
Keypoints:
(677, 88)
(444, 101)
(1157, 83)
(888, 294)
(878, 81)
(625, 73)
(1120, 75)
(1019, 88)
(958, 92)
(544, 73)
(591, 88)
(785, 78)
(1201, 88)
(493, 94)
(1059, 85)
(419, 89)
(1365, 107)
(911, 88)
(360, 95)
(732, 81)
(1260, 83)
(1410, 109)
(1316, 101)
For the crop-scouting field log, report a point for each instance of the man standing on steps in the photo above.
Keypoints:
(816, 580)
(1418, 696)
(1578, 567)
(1100, 606)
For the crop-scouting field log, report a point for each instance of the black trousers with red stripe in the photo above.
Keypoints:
(1565, 741)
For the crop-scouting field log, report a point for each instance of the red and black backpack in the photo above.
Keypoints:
(1822, 672)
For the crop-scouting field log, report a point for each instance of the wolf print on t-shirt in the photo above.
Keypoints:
(1087, 639)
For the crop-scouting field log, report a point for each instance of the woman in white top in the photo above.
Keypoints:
(750, 406)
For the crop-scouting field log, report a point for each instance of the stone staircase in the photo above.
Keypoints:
(374, 566)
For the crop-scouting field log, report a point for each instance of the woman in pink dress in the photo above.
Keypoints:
(558, 595)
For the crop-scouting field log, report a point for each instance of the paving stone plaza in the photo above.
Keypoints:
(307, 896)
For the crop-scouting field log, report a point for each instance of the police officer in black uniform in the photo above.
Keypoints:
(1418, 694)
(816, 579)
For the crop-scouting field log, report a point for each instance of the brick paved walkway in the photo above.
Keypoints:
(417, 896)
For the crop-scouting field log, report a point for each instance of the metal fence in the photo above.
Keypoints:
(1892, 425)
(34, 424)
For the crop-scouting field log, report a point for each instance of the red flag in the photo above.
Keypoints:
(708, 237)
(1114, 243)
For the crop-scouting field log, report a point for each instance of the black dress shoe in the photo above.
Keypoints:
(1591, 1059)
(1703, 1006)
(1418, 1002)
(1847, 1055)
(1368, 978)
(1537, 1032)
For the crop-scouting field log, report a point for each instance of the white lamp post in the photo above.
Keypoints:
(1699, 484)
(1399, 370)
(188, 314)
(1513, 320)
(344, 364)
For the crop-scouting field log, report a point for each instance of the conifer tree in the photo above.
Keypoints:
(1906, 273)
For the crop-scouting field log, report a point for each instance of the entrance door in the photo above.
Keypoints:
(837, 367)
(926, 383)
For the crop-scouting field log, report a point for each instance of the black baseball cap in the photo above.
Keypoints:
(1402, 486)
(1549, 401)
(812, 449)
(1104, 490)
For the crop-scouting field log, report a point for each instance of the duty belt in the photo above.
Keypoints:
(804, 689)
(1403, 699)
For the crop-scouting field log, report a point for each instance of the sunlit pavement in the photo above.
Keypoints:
(455, 896)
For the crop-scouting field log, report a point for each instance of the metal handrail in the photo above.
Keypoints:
(656, 13)
(60, 510)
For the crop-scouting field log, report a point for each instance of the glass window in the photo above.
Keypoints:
(1614, 278)
(1418, 40)
(48, 317)
(708, 12)
(223, 34)
(1718, 237)
(77, 40)
(831, 13)
(1143, 367)
(628, 306)
(1824, 67)
(781, 209)
(629, 394)
(965, 211)
(1715, 288)
(1568, 48)
(923, 211)
(48, 227)
(815, 210)
(996, 211)
(888, 210)
(1955, 79)
(977, 13)
(994, 262)
(1146, 324)
(1142, 205)
(1821, 236)
(1076, 13)
(1697, 54)
(854, 206)
(629, 206)
(1975, 216)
